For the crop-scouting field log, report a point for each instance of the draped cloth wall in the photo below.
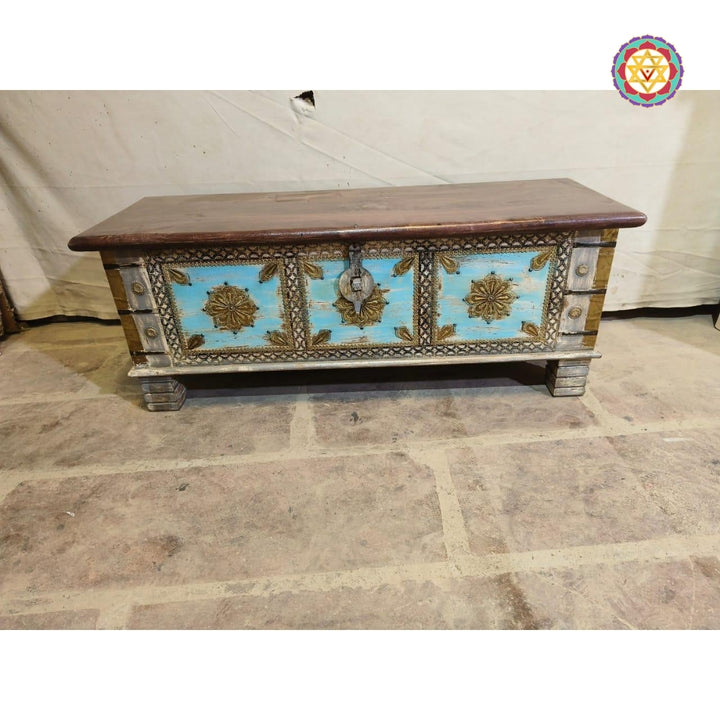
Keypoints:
(70, 159)
(8, 323)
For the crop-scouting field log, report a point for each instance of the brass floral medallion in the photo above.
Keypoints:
(230, 308)
(370, 312)
(490, 298)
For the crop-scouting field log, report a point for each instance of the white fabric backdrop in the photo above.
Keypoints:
(70, 159)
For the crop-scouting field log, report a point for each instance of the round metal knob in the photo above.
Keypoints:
(582, 270)
(151, 332)
(575, 312)
(138, 288)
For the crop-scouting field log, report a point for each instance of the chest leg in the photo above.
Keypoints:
(566, 377)
(163, 393)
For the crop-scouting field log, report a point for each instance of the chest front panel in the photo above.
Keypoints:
(387, 317)
(432, 298)
(226, 305)
(493, 296)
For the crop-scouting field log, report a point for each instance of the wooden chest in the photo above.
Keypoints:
(467, 273)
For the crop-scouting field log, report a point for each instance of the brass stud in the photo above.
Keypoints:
(575, 312)
(151, 332)
(582, 270)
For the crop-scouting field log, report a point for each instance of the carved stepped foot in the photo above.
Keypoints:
(163, 393)
(566, 377)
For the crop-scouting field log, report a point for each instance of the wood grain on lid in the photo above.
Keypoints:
(401, 212)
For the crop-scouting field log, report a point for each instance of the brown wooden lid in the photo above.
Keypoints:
(399, 212)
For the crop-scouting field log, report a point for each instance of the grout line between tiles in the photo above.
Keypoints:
(302, 427)
(114, 617)
(604, 418)
(70, 344)
(311, 453)
(455, 534)
(57, 397)
(654, 550)
(7, 485)
(120, 601)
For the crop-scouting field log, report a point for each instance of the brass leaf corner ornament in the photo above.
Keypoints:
(403, 266)
(311, 269)
(540, 260)
(279, 338)
(530, 328)
(490, 298)
(178, 276)
(450, 264)
(321, 337)
(230, 308)
(370, 312)
(444, 332)
(195, 341)
(269, 270)
(404, 334)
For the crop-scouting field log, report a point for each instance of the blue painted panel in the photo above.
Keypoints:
(398, 312)
(530, 288)
(190, 299)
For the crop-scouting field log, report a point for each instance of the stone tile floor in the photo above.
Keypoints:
(461, 497)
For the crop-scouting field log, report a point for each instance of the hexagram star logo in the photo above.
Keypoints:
(647, 69)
